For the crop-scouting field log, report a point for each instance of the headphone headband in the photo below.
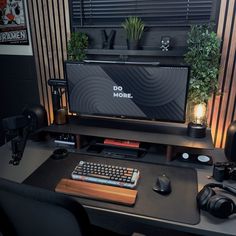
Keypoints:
(227, 188)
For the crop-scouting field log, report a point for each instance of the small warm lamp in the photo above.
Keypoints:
(197, 124)
(200, 113)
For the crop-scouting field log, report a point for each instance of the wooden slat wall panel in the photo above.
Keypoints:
(36, 48)
(222, 108)
(50, 27)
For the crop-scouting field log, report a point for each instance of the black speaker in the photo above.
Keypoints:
(37, 116)
(230, 144)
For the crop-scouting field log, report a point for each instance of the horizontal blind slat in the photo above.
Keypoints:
(148, 10)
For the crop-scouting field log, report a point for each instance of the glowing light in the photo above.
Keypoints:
(199, 113)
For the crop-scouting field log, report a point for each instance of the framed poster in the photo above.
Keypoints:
(13, 28)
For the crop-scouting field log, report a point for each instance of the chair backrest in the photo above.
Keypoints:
(30, 211)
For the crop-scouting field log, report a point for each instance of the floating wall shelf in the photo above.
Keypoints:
(179, 52)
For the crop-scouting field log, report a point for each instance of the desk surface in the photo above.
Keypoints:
(148, 202)
(36, 153)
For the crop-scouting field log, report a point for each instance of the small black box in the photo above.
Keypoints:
(196, 130)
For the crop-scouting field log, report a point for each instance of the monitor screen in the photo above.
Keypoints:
(128, 91)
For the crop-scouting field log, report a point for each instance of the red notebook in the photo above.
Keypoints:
(122, 143)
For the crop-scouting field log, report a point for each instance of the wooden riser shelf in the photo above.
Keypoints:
(175, 135)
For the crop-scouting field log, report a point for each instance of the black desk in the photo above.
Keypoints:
(36, 153)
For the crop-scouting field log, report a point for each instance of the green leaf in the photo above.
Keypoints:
(76, 46)
(134, 27)
(203, 56)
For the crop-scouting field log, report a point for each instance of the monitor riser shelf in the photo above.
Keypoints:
(169, 134)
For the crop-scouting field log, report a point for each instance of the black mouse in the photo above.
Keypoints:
(163, 185)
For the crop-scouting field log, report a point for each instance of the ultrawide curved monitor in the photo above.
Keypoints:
(128, 91)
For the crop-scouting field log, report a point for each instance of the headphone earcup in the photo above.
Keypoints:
(220, 206)
(203, 196)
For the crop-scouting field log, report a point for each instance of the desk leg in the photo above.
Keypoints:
(78, 141)
(169, 152)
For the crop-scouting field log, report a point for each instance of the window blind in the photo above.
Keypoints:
(158, 12)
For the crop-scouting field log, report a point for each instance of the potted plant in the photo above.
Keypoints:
(77, 45)
(134, 28)
(203, 57)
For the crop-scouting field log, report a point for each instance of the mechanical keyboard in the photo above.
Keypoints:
(106, 174)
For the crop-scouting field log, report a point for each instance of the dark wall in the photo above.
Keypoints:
(149, 45)
(18, 85)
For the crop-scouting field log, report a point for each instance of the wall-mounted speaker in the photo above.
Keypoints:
(230, 144)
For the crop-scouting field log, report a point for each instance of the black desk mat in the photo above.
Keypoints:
(179, 206)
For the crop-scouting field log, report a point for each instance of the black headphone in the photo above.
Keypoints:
(217, 205)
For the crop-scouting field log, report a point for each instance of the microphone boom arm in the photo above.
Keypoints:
(18, 145)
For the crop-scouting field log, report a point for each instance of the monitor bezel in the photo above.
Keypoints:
(122, 117)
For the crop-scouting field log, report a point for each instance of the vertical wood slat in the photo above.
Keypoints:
(234, 115)
(227, 106)
(48, 39)
(44, 50)
(62, 16)
(225, 43)
(50, 27)
(220, 29)
(67, 31)
(35, 49)
(223, 106)
(58, 38)
(37, 46)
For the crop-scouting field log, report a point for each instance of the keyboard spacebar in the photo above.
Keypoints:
(98, 176)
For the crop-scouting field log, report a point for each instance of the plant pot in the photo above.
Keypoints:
(132, 44)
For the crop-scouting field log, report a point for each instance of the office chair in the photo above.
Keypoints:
(31, 211)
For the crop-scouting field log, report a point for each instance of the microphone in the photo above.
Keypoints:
(18, 128)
